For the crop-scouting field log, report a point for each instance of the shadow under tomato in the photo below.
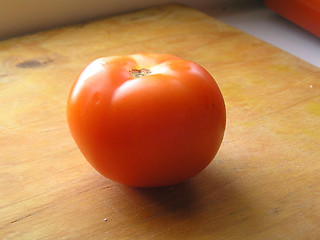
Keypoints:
(208, 204)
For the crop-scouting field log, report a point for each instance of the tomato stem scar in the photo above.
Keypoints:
(140, 72)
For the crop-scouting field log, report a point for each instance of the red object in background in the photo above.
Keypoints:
(305, 13)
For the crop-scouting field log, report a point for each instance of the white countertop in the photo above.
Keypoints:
(265, 24)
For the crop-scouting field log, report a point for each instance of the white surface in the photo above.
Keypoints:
(263, 23)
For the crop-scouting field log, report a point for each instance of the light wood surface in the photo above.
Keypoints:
(263, 184)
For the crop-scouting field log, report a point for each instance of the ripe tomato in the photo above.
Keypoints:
(146, 120)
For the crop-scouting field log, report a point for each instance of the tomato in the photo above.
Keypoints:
(146, 120)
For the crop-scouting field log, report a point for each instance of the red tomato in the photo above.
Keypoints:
(146, 120)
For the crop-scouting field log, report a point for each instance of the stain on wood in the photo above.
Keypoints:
(33, 63)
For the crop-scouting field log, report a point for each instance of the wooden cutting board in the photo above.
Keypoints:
(263, 184)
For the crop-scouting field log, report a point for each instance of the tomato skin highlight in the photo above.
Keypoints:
(153, 130)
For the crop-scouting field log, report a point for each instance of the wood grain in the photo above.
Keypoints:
(263, 184)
